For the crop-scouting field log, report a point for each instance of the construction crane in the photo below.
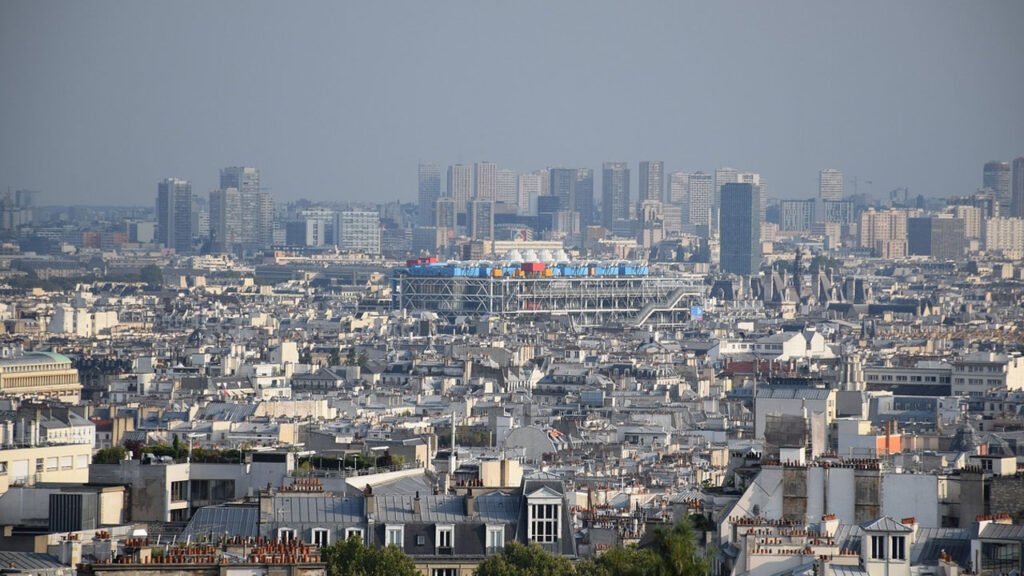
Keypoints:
(856, 181)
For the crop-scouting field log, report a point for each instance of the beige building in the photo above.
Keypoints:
(884, 232)
(1005, 236)
(40, 374)
(31, 465)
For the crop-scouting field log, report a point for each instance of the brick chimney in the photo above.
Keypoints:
(470, 503)
(371, 500)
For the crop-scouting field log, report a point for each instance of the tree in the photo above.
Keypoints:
(152, 275)
(621, 561)
(530, 560)
(353, 558)
(676, 550)
(110, 455)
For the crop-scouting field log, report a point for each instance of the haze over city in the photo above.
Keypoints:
(340, 101)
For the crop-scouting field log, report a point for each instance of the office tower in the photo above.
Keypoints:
(741, 231)
(358, 231)
(884, 232)
(723, 176)
(678, 188)
(1017, 189)
(506, 187)
(652, 223)
(837, 212)
(485, 180)
(529, 190)
(755, 179)
(257, 205)
(615, 198)
(429, 192)
(225, 220)
(796, 215)
(460, 186)
(481, 219)
(940, 237)
(446, 216)
(830, 185)
(702, 195)
(174, 214)
(574, 189)
(563, 186)
(996, 177)
(651, 180)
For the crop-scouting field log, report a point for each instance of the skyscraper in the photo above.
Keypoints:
(429, 192)
(1018, 188)
(460, 186)
(702, 195)
(574, 188)
(996, 177)
(615, 198)
(651, 180)
(257, 206)
(830, 185)
(506, 187)
(174, 214)
(485, 180)
(225, 220)
(741, 231)
(529, 188)
(584, 201)
(481, 219)
(679, 188)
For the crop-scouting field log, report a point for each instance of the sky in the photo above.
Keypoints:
(341, 100)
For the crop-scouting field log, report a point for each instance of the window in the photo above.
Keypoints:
(878, 547)
(544, 523)
(356, 533)
(179, 491)
(321, 537)
(285, 535)
(394, 536)
(444, 536)
(444, 572)
(495, 539)
(899, 550)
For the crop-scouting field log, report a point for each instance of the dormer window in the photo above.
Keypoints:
(543, 516)
(285, 534)
(321, 537)
(444, 537)
(878, 547)
(899, 548)
(394, 535)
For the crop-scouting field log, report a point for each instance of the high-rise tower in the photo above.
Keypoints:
(741, 230)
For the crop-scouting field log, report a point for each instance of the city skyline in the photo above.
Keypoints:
(315, 136)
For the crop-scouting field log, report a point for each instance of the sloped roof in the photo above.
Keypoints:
(885, 524)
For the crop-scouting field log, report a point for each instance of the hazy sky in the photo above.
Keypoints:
(340, 100)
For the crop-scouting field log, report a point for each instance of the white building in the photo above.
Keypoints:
(358, 231)
(1005, 236)
(979, 372)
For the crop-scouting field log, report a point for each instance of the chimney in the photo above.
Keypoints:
(911, 523)
(470, 503)
(417, 507)
(371, 500)
(829, 525)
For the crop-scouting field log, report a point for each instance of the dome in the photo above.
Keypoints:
(561, 256)
(514, 256)
(546, 257)
(530, 256)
